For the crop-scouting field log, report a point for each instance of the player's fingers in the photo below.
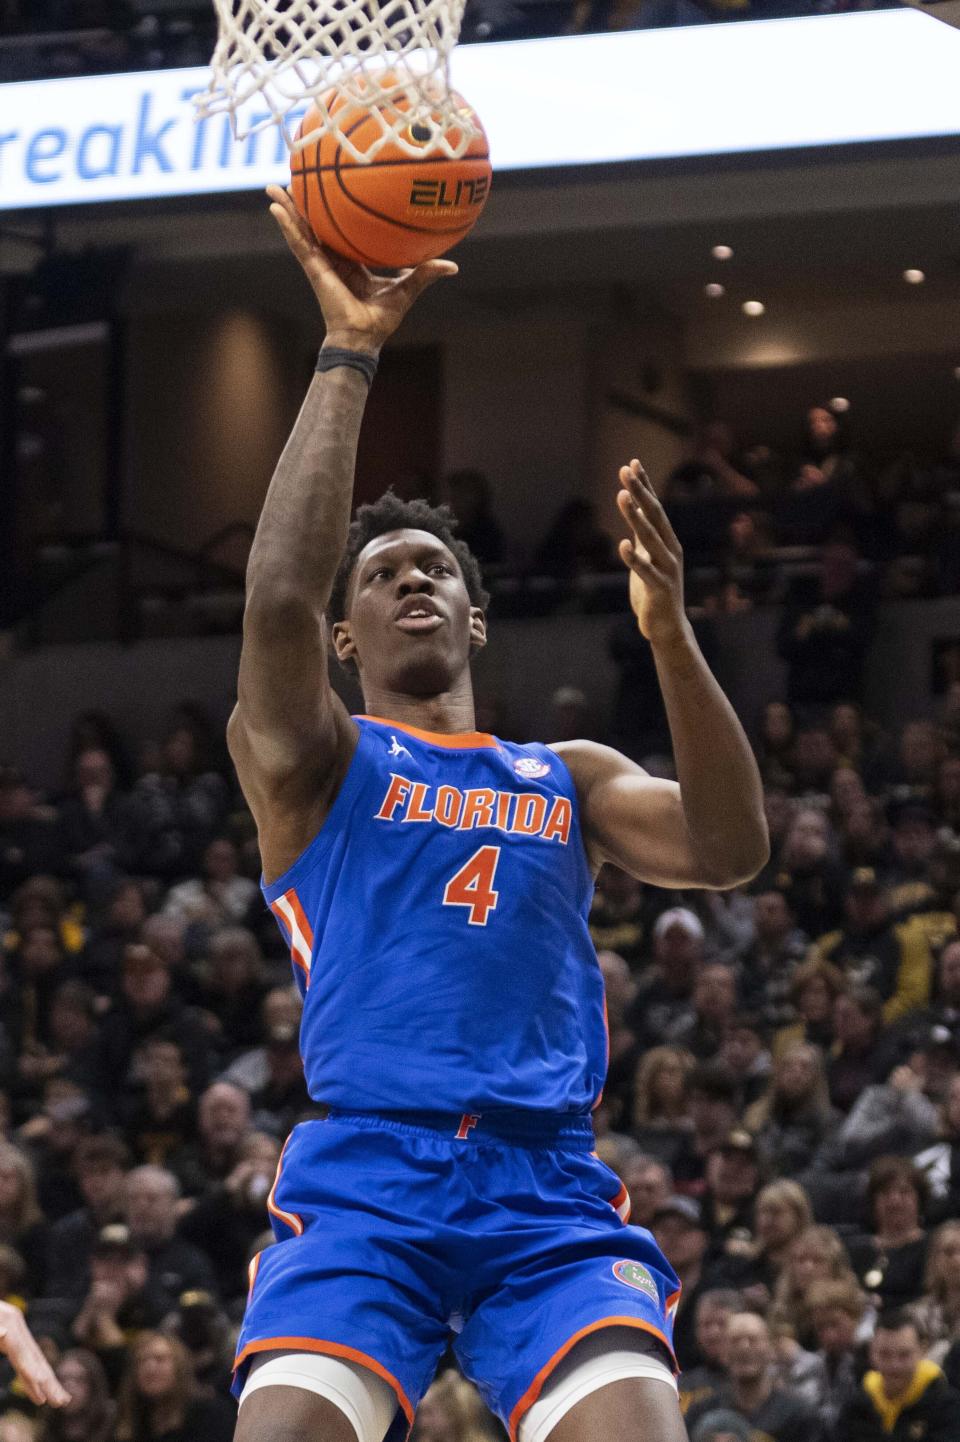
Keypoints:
(635, 560)
(417, 280)
(642, 487)
(644, 529)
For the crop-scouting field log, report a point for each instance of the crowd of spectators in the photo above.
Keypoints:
(783, 1103)
(97, 37)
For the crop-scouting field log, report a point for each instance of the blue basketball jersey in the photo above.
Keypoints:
(437, 925)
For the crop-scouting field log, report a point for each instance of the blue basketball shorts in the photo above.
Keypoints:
(395, 1231)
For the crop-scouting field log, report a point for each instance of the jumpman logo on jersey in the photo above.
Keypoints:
(396, 749)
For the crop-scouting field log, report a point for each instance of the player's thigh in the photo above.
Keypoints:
(633, 1409)
(306, 1396)
(289, 1414)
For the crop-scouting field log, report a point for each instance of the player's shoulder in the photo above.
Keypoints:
(592, 761)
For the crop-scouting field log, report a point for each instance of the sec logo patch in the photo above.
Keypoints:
(634, 1274)
(530, 768)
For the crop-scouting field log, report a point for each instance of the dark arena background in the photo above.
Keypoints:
(724, 236)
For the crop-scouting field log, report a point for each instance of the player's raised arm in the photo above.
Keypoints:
(708, 828)
(289, 735)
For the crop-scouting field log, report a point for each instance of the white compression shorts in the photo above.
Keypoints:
(369, 1404)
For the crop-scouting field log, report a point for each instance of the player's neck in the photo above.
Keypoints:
(449, 713)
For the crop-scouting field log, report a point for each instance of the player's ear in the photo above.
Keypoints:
(343, 642)
(478, 629)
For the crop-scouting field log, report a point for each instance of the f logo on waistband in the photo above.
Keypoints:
(467, 1123)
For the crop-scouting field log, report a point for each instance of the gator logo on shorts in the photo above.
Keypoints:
(634, 1274)
(530, 768)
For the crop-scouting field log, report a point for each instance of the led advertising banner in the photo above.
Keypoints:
(637, 95)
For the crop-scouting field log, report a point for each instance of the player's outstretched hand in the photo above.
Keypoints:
(26, 1359)
(654, 558)
(360, 309)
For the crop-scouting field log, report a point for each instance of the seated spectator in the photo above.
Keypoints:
(814, 765)
(117, 925)
(662, 1009)
(890, 1262)
(220, 897)
(30, 837)
(840, 1317)
(940, 1163)
(100, 1165)
(679, 1229)
(864, 835)
(150, 1211)
(575, 544)
(175, 810)
(905, 1396)
(282, 1008)
(223, 1123)
(233, 986)
(750, 1390)
(712, 1313)
(96, 731)
(808, 874)
(816, 1255)
(769, 965)
(872, 951)
(204, 1328)
(827, 488)
(826, 628)
(794, 1119)
(648, 1183)
(283, 1099)
(93, 822)
(451, 1408)
(897, 1117)
(860, 1056)
(710, 472)
(713, 1115)
(470, 497)
(778, 810)
(146, 1008)
(947, 793)
(622, 1051)
(120, 1302)
(714, 1009)
(89, 1414)
(746, 1056)
(733, 1174)
(859, 744)
(161, 1115)
(774, 748)
(659, 1113)
(617, 915)
(22, 1224)
(781, 1214)
(912, 771)
(159, 1398)
(225, 1222)
(913, 841)
(938, 1311)
(814, 991)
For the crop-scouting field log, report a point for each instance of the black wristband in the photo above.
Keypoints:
(332, 356)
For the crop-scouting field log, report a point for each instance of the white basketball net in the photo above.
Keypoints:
(392, 59)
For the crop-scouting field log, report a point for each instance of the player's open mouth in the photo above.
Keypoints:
(417, 621)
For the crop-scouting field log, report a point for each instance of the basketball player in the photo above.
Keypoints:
(433, 884)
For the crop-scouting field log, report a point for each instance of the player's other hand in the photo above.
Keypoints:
(26, 1359)
(360, 309)
(653, 556)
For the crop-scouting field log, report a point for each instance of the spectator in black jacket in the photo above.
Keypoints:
(904, 1398)
(772, 1411)
(100, 1165)
(826, 629)
(150, 1209)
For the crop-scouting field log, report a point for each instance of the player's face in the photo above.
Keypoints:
(410, 627)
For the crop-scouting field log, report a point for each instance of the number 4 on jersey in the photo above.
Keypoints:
(472, 886)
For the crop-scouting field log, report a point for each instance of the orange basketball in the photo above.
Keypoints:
(394, 210)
